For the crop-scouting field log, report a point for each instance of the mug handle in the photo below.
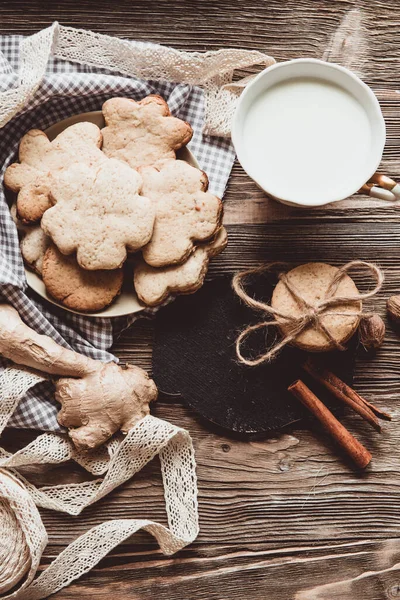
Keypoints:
(381, 186)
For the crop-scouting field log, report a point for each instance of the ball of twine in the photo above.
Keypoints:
(22, 534)
(311, 315)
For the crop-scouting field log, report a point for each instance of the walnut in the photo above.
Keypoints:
(393, 308)
(372, 332)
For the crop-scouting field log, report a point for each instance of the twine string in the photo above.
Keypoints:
(311, 315)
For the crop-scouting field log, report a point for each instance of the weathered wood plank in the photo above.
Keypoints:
(367, 570)
(284, 30)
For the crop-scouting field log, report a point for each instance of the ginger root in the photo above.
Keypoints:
(102, 402)
(97, 398)
(24, 346)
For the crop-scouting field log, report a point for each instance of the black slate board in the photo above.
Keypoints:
(194, 356)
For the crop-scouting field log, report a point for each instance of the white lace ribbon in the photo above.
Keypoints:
(21, 528)
(213, 71)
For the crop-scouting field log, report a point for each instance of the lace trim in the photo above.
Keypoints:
(212, 71)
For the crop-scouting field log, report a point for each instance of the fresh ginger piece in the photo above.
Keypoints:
(110, 399)
(24, 346)
(98, 399)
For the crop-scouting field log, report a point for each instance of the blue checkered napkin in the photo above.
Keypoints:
(69, 89)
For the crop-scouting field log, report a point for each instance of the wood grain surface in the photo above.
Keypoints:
(284, 517)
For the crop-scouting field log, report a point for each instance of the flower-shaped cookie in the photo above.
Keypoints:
(142, 133)
(99, 214)
(185, 211)
(77, 288)
(40, 160)
(153, 285)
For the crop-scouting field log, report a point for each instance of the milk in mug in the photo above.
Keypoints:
(305, 134)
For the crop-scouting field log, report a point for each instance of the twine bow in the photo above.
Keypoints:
(311, 315)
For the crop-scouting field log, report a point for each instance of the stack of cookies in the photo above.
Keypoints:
(90, 198)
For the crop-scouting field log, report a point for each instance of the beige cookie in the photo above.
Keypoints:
(33, 247)
(312, 282)
(99, 214)
(76, 288)
(142, 133)
(154, 285)
(41, 159)
(185, 212)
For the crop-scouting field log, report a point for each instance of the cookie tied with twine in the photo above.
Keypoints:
(316, 307)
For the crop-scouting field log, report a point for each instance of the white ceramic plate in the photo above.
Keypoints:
(127, 302)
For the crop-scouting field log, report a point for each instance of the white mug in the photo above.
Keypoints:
(310, 133)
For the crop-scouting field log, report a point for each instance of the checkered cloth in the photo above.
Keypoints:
(69, 89)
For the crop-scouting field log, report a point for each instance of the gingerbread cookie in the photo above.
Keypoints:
(76, 288)
(153, 286)
(185, 212)
(99, 214)
(40, 160)
(142, 133)
(33, 247)
(312, 282)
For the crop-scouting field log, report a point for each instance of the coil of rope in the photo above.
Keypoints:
(22, 534)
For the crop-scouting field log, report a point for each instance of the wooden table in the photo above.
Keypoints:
(282, 515)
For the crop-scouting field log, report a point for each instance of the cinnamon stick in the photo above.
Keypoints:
(336, 387)
(353, 448)
(381, 414)
(345, 393)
